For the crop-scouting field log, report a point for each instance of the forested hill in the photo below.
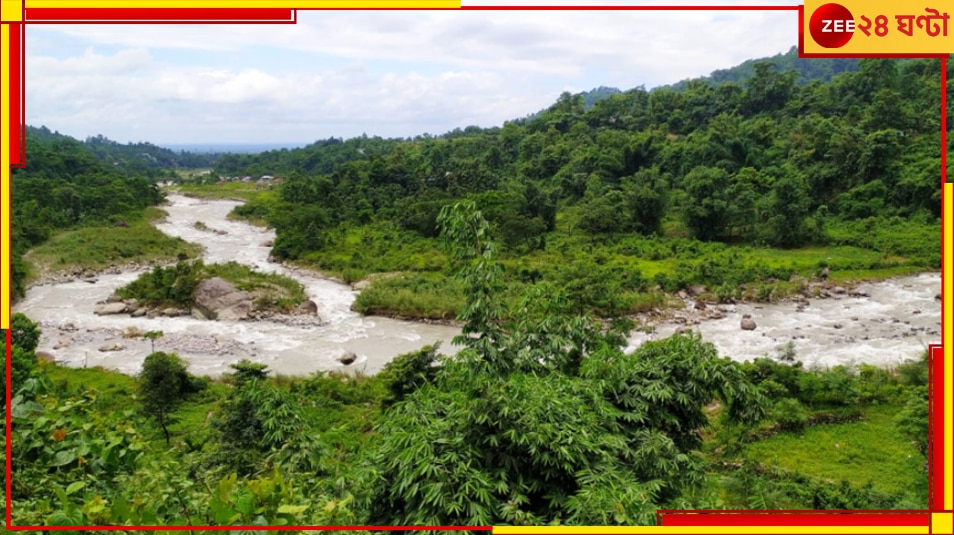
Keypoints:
(139, 158)
(764, 162)
(808, 69)
(64, 185)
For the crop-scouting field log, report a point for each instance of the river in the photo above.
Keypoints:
(896, 322)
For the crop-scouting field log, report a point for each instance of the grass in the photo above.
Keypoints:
(414, 296)
(99, 247)
(867, 451)
(229, 190)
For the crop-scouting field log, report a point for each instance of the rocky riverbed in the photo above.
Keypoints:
(884, 322)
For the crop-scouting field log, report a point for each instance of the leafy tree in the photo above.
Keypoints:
(408, 372)
(152, 336)
(710, 204)
(541, 418)
(259, 421)
(912, 421)
(24, 333)
(23, 366)
(788, 205)
(162, 383)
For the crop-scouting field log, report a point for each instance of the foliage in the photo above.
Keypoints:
(258, 421)
(24, 333)
(912, 421)
(163, 382)
(175, 285)
(408, 372)
(542, 412)
(703, 179)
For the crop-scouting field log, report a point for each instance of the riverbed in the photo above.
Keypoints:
(885, 323)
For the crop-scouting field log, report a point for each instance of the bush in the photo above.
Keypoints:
(790, 414)
(408, 372)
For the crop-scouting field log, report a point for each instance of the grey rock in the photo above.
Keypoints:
(308, 307)
(747, 324)
(236, 312)
(110, 308)
(213, 296)
(347, 358)
(697, 290)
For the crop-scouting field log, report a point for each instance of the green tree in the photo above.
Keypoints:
(259, 421)
(152, 336)
(162, 383)
(912, 420)
(709, 202)
(24, 333)
(541, 418)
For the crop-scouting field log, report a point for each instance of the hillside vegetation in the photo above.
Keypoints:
(723, 185)
(540, 419)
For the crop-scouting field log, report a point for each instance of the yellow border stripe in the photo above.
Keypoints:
(11, 10)
(691, 530)
(303, 4)
(4, 177)
(946, 340)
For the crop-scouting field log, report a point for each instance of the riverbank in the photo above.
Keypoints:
(85, 253)
(822, 332)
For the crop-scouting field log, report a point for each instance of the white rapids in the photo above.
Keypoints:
(887, 329)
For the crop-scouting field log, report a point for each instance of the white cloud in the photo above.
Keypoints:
(393, 73)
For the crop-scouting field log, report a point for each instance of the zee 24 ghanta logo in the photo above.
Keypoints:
(832, 25)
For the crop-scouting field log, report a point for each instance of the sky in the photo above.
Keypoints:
(388, 73)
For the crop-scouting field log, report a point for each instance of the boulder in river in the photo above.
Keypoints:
(747, 323)
(212, 296)
(347, 358)
(697, 290)
(112, 347)
(109, 308)
(238, 311)
(308, 307)
(267, 243)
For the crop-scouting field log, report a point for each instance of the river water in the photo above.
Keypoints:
(897, 320)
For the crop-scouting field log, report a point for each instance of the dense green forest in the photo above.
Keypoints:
(728, 184)
(540, 238)
(140, 158)
(65, 186)
(807, 69)
(540, 419)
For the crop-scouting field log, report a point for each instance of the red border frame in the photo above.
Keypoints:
(697, 518)
(17, 127)
(86, 15)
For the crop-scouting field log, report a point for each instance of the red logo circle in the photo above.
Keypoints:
(832, 25)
